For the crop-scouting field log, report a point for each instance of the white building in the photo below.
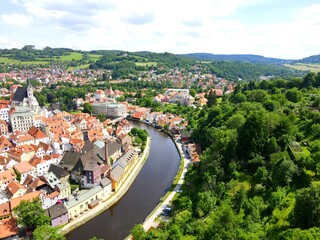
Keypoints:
(4, 114)
(22, 119)
(110, 109)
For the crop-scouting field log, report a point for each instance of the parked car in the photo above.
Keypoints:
(165, 213)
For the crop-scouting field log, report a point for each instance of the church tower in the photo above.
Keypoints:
(32, 101)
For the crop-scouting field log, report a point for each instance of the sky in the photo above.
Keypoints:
(288, 29)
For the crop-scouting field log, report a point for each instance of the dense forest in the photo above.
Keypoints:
(311, 59)
(259, 175)
(248, 71)
(250, 58)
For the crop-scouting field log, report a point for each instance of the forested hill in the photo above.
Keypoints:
(129, 63)
(132, 65)
(251, 58)
(259, 174)
(311, 59)
(250, 71)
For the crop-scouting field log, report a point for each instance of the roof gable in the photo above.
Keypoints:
(20, 94)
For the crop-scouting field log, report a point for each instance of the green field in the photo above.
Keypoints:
(79, 67)
(14, 61)
(305, 67)
(95, 56)
(72, 56)
(146, 64)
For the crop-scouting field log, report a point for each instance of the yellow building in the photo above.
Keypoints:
(80, 203)
(122, 167)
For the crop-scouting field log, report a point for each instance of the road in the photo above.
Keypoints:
(153, 220)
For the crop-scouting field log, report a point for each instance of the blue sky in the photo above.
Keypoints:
(273, 28)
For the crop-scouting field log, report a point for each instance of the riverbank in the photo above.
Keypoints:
(153, 220)
(113, 198)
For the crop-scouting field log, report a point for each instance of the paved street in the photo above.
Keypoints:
(153, 220)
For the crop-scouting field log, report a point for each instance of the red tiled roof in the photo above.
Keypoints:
(5, 209)
(13, 187)
(37, 133)
(23, 167)
(8, 227)
(7, 175)
(27, 197)
(53, 194)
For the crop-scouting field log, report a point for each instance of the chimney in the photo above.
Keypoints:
(107, 154)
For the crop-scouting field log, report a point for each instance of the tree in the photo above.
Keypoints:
(236, 121)
(257, 96)
(138, 232)
(297, 233)
(87, 108)
(253, 134)
(294, 95)
(102, 117)
(308, 80)
(283, 171)
(224, 223)
(47, 232)
(205, 203)
(212, 99)
(307, 208)
(192, 92)
(31, 214)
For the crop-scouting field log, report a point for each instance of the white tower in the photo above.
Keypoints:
(32, 101)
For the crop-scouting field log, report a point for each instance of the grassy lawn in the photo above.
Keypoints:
(146, 64)
(305, 67)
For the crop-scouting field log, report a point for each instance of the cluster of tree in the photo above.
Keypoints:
(140, 137)
(251, 58)
(31, 216)
(29, 53)
(248, 71)
(123, 64)
(311, 59)
(259, 175)
(47, 54)
(64, 93)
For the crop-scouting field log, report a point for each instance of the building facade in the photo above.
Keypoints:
(110, 109)
(22, 119)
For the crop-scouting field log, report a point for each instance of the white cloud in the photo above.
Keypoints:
(16, 19)
(310, 14)
(8, 43)
(167, 25)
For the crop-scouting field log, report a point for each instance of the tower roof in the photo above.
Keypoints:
(20, 94)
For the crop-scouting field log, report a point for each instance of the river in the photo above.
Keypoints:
(151, 184)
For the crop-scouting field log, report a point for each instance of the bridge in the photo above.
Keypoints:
(118, 119)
